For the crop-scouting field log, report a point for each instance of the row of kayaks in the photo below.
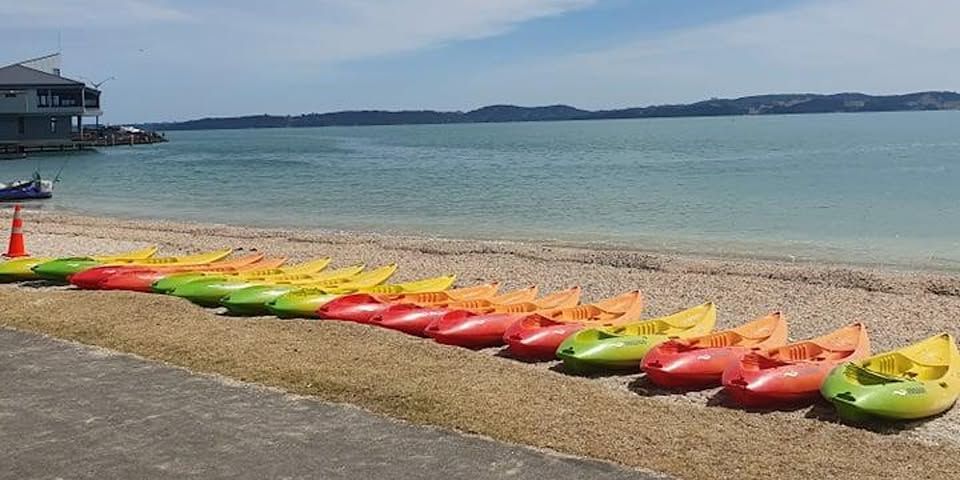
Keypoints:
(755, 363)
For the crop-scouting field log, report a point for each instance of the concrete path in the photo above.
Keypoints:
(68, 411)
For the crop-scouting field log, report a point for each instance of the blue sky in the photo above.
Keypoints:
(181, 59)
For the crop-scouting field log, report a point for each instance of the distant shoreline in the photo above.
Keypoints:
(777, 104)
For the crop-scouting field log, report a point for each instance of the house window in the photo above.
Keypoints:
(42, 97)
(53, 124)
(10, 95)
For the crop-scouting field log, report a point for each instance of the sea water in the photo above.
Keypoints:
(880, 188)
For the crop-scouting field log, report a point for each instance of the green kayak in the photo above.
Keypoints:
(208, 291)
(300, 303)
(917, 381)
(622, 347)
(253, 300)
(170, 282)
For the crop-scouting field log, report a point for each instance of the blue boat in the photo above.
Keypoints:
(35, 188)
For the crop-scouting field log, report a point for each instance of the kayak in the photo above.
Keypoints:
(91, 278)
(792, 374)
(142, 279)
(361, 307)
(22, 268)
(538, 335)
(210, 292)
(622, 347)
(413, 320)
(305, 302)
(484, 327)
(253, 300)
(917, 381)
(62, 269)
(698, 362)
(170, 282)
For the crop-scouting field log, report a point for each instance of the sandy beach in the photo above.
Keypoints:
(618, 418)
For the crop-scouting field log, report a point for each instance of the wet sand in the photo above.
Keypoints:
(619, 418)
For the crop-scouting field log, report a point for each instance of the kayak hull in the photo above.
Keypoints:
(91, 278)
(253, 300)
(61, 269)
(294, 305)
(20, 269)
(895, 401)
(209, 291)
(670, 365)
(170, 282)
(784, 385)
(464, 329)
(132, 280)
(359, 308)
(408, 319)
(616, 353)
(537, 344)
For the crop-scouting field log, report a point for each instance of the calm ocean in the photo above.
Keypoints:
(864, 188)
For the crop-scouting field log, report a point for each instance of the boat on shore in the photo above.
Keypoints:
(33, 189)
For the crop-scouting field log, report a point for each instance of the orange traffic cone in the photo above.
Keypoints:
(16, 248)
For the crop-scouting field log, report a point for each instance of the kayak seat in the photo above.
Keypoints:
(719, 340)
(474, 304)
(429, 297)
(896, 364)
(579, 314)
(524, 307)
(648, 328)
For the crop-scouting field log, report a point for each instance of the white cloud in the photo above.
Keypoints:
(878, 46)
(339, 30)
(27, 14)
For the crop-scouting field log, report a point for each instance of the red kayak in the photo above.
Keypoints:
(142, 279)
(480, 329)
(792, 374)
(91, 278)
(537, 336)
(413, 319)
(361, 307)
(699, 362)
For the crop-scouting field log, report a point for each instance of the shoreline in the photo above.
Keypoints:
(424, 382)
(758, 251)
(871, 277)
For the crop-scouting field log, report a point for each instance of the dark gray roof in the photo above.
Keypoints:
(18, 75)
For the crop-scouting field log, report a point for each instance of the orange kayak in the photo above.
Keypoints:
(792, 374)
(699, 362)
(538, 335)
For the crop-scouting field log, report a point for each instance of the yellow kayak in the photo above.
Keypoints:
(917, 381)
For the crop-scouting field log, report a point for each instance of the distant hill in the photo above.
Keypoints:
(754, 105)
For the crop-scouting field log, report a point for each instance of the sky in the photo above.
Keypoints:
(184, 59)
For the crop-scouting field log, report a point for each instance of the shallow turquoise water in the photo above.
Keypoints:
(875, 188)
